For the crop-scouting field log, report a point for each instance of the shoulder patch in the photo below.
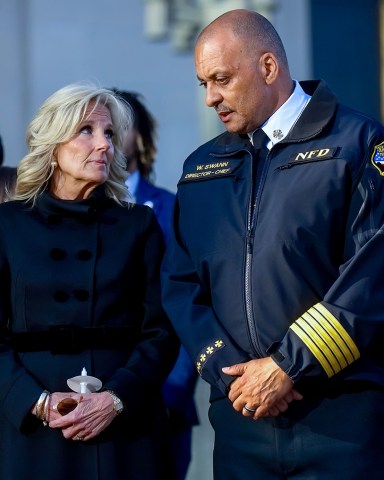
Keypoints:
(209, 170)
(314, 155)
(377, 157)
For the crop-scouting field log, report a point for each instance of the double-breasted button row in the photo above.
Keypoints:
(80, 294)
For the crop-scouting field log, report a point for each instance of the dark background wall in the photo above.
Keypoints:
(346, 50)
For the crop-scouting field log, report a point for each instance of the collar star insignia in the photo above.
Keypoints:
(277, 134)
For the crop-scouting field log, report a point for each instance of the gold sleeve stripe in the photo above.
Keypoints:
(324, 341)
(328, 327)
(313, 347)
(326, 338)
(341, 331)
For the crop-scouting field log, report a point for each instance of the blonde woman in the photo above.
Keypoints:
(80, 289)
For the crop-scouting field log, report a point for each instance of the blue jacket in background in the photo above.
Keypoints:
(178, 390)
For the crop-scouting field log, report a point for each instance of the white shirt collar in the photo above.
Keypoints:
(280, 123)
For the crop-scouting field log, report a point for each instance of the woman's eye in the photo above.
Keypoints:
(109, 134)
(86, 129)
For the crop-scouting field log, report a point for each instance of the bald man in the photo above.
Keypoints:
(273, 278)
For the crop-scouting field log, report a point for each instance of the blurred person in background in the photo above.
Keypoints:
(1, 152)
(7, 178)
(140, 152)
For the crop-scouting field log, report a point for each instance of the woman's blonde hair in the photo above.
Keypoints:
(55, 123)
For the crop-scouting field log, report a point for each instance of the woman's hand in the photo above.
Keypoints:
(93, 413)
(46, 404)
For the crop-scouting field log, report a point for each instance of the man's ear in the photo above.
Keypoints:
(269, 67)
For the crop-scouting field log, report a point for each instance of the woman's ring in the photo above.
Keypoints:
(78, 437)
(250, 410)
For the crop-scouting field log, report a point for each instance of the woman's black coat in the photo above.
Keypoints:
(89, 263)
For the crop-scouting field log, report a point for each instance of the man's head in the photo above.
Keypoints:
(241, 62)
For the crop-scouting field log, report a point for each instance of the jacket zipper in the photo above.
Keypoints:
(251, 226)
(252, 208)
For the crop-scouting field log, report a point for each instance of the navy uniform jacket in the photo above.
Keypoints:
(297, 272)
(91, 263)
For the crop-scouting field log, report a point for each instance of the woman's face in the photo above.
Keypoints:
(83, 162)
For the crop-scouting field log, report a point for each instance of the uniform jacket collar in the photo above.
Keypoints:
(315, 117)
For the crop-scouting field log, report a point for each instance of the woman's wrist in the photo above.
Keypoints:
(41, 408)
(118, 405)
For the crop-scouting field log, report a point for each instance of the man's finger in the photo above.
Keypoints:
(234, 370)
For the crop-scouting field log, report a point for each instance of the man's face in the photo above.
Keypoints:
(234, 81)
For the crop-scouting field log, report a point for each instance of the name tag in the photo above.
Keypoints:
(210, 170)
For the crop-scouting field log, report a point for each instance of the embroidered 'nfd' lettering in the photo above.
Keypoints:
(314, 155)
